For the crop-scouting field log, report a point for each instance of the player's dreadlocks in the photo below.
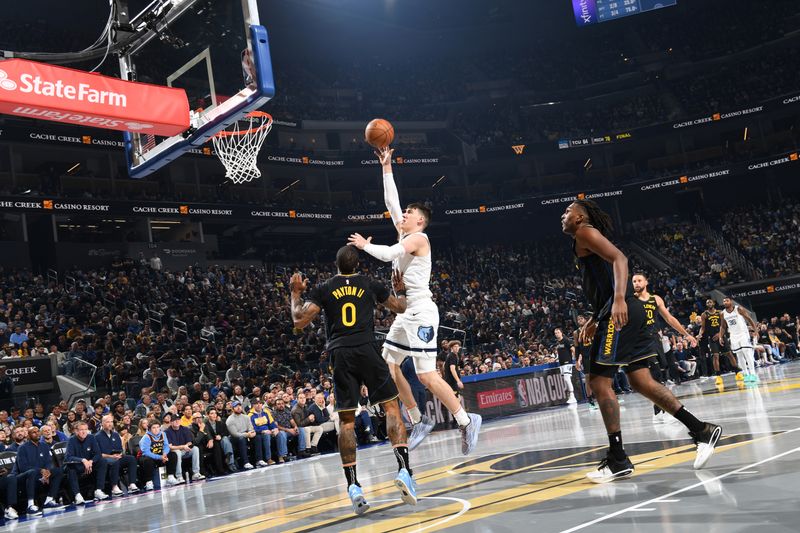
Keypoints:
(597, 217)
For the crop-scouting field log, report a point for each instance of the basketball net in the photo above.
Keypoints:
(238, 146)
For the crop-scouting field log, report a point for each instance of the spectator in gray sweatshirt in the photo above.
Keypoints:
(241, 429)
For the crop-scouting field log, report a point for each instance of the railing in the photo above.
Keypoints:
(155, 319)
(71, 284)
(734, 255)
(179, 326)
(52, 276)
(84, 372)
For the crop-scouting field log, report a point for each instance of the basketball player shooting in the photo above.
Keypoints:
(620, 339)
(413, 333)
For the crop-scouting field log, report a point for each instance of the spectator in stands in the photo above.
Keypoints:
(8, 491)
(266, 429)
(219, 440)
(112, 452)
(34, 468)
(241, 430)
(322, 416)
(154, 453)
(83, 457)
(306, 420)
(288, 427)
(181, 442)
(18, 437)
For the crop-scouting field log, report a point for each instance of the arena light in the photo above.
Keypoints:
(438, 181)
(73, 168)
(745, 133)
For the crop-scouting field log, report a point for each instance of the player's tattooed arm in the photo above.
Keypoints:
(397, 301)
(302, 312)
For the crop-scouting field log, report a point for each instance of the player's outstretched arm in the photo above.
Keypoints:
(302, 312)
(390, 195)
(410, 245)
(673, 322)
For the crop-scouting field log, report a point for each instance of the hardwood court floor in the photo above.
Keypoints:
(527, 475)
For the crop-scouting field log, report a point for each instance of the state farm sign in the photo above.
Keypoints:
(37, 90)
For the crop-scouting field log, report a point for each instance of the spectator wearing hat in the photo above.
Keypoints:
(111, 450)
(144, 408)
(266, 429)
(241, 431)
(34, 467)
(83, 457)
(181, 441)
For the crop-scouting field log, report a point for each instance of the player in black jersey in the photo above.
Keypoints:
(655, 304)
(348, 302)
(566, 360)
(709, 332)
(583, 349)
(620, 338)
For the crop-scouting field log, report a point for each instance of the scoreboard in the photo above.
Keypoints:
(589, 12)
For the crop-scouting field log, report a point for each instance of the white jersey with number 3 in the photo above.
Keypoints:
(737, 327)
(416, 272)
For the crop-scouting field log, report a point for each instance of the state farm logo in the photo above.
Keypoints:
(5, 83)
(496, 398)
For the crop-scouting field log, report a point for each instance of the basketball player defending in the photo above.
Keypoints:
(651, 304)
(739, 326)
(348, 301)
(413, 333)
(710, 330)
(620, 339)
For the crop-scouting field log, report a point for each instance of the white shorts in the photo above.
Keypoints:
(566, 370)
(739, 342)
(413, 334)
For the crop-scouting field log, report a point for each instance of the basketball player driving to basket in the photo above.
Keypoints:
(620, 339)
(413, 333)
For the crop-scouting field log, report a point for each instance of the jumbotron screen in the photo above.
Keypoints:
(589, 12)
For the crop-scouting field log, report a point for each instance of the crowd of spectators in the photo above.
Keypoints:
(212, 350)
(767, 234)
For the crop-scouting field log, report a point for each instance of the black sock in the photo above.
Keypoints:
(401, 454)
(615, 445)
(350, 474)
(687, 419)
(656, 409)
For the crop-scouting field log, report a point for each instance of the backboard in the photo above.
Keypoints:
(216, 50)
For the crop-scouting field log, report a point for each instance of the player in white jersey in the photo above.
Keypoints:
(739, 325)
(413, 333)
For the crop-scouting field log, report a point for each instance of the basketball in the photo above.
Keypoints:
(379, 133)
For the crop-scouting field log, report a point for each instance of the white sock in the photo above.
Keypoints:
(461, 417)
(30, 502)
(740, 360)
(415, 415)
(48, 499)
(749, 359)
(568, 381)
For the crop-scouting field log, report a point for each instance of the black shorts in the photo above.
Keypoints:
(629, 348)
(713, 346)
(354, 366)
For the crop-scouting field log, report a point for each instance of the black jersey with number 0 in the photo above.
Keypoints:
(650, 308)
(348, 302)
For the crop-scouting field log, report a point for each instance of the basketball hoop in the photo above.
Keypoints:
(238, 146)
